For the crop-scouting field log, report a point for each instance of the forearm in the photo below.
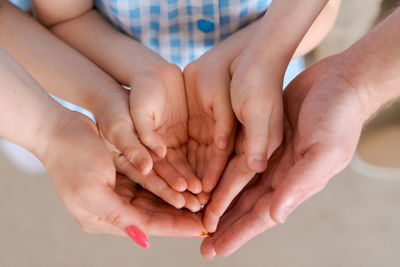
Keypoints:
(113, 51)
(58, 68)
(372, 64)
(234, 44)
(281, 30)
(27, 113)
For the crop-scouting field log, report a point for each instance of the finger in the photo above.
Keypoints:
(164, 169)
(255, 117)
(200, 160)
(179, 162)
(192, 149)
(203, 197)
(145, 124)
(242, 207)
(305, 178)
(91, 223)
(215, 168)
(155, 206)
(225, 122)
(235, 178)
(151, 182)
(192, 202)
(109, 206)
(248, 226)
(128, 143)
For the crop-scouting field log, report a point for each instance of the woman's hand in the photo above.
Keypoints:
(101, 201)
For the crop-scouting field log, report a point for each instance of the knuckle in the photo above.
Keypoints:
(87, 226)
(113, 217)
(215, 209)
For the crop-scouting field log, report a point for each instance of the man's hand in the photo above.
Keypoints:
(324, 119)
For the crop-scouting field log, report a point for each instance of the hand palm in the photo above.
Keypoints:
(211, 124)
(324, 120)
(159, 111)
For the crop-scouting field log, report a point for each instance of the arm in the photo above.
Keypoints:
(29, 105)
(326, 107)
(81, 169)
(65, 73)
(155, 84)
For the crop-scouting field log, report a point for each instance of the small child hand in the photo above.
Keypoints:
(131, 157)
(212, 123)
(159, 112)
(257, 102)
(256, 92)
(117, 130)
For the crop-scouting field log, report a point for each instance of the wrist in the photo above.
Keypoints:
(51, 116)
(371, 80)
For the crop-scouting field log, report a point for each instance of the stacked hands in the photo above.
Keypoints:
(216, 148)
(206, 137)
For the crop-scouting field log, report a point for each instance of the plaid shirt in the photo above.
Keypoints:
(181, 30)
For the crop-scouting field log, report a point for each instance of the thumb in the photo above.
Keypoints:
(137, 222)
(304, 179)
(128, 143)
(255, 117)
(146, 116)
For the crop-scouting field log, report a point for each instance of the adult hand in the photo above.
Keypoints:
(324, 115)
(85, 179)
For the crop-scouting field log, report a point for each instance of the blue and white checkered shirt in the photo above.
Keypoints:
(181, 30)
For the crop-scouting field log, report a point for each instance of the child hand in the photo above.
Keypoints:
(118, 133)
(117, 130)
(159, 112)
(257, 102)
(236, 176)
(256, 92)
(212, 123)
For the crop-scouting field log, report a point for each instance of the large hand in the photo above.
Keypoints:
(212, 123)
(84, 177)
(324, 121)
(159, 112)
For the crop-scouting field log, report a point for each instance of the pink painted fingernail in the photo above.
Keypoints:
(138, 236)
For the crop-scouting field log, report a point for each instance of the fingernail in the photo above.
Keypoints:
(213, 254)
(222, 142)
(203, 235)
(259, 163)
(160, 152)
(138, 236)
(282, 214)
(144, 167)
(211, 220)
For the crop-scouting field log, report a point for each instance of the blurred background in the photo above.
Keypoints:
(355, 221)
